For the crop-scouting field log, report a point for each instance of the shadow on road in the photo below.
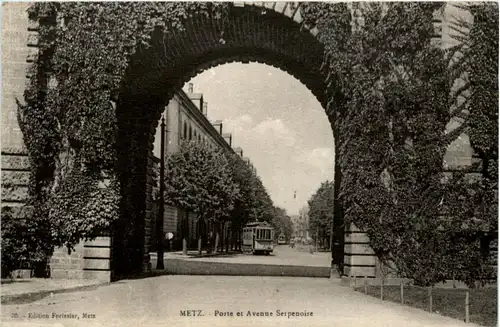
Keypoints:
(26, 298)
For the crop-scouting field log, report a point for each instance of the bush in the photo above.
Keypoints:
(14, 249)
(23, 244)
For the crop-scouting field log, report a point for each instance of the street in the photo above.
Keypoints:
(216, 301)
(282, 255)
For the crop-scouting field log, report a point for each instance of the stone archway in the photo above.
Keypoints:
(250, 33)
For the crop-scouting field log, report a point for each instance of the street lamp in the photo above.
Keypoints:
(159, 221)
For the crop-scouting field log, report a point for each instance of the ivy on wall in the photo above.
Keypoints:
(389, 99)
(69, 121)
(390, 92)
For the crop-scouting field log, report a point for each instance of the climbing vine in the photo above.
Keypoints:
(389, 98)
(389, 89)
(69, 121)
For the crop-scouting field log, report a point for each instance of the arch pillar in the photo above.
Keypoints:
(132, 232)
(352, 254)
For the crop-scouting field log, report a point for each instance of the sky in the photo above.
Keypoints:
(277, 122)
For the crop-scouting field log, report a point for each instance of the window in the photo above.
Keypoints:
(185, 130)
(190, 132)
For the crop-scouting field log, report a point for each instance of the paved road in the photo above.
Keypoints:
(282, 255)
(160, 301)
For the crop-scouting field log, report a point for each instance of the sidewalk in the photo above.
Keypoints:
(20, 290)
(165, 300)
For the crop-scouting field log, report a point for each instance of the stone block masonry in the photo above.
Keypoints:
(359, 258)
(89, 260)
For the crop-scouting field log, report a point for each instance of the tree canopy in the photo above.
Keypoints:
(321, 208)
(200, 179)
(282, 223)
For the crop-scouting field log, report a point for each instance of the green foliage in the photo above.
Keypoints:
(263, 205)
(14, 248)
(389, 101)
(483, 76)
(199, 178)
(321, 208)
(82, 208)
(24, 240)
(282, 223)
(69, 120)
(242, 176)
(389, 90)
(471, 203)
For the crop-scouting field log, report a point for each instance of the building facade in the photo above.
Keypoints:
(186, 120)
(300, 224)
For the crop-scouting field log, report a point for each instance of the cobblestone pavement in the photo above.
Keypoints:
(282, 255)
(179, 300)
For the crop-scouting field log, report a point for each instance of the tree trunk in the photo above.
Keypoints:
(331, 239)
(185, 231)
(317, 236)
(233, 240)
(222, 237)
(226, 230)
(216, 245)
(184, 246)
(199, 233)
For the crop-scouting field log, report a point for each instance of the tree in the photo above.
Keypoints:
(244, 203)
(199, 178)
(471, 200)
(263, 205)
(321, 210)
(282, 223)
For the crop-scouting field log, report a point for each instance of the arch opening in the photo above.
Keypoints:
(156, 73)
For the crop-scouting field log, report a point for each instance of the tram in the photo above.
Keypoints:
(258, 238)
(281, 239)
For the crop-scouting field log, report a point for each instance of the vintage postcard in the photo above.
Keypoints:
(249, 163)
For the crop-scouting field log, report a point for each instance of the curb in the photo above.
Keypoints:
(37, 295)
(195, 267)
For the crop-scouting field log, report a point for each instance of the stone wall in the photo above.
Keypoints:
(15, 56)
(90, 259)
(15, 177)
(359, 258)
